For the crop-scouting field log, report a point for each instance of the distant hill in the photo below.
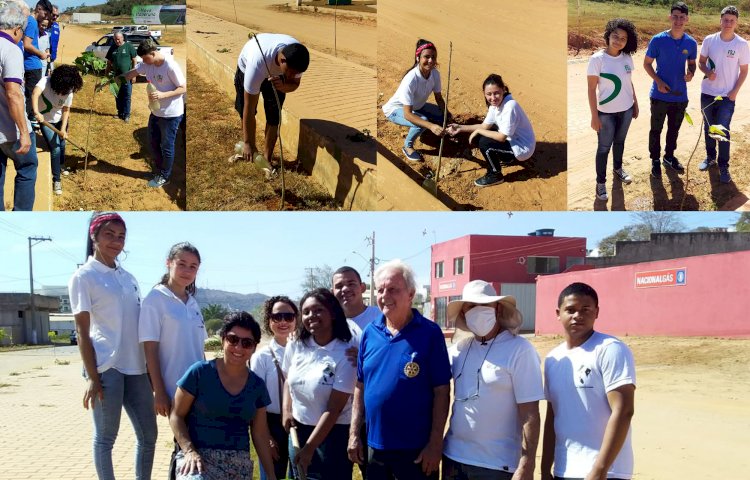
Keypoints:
(231, 300)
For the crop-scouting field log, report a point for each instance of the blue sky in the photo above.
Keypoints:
(63, 4)
(268, 252)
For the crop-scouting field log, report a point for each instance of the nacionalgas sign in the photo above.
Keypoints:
(159, 14)
(661, 278)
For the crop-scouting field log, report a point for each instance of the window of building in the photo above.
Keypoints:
(441, 304)
(458, 266)
(20, 314)
(439, 269)
(542, 265)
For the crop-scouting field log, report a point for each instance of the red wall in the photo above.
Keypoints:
(714, 302)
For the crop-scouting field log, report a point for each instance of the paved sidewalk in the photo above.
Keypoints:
(46, 434)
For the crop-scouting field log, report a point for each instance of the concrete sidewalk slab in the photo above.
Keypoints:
(43, 190)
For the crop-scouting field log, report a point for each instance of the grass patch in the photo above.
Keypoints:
(6, 385)
(39, 368)
(214, 183)
(62, 362)
(14, 374)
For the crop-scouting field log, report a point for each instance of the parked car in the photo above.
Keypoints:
(73, 338)
(101, 47)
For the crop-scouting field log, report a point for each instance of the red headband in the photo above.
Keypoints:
(107, 217)
(424, 47)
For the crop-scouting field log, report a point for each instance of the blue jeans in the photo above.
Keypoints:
(162, 133)
(133, 392)
(123, 100)
(611, 136)
(25, 165)
(429, 112)
(720, 113)
(56, 149)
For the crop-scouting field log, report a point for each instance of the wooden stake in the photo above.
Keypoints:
(445, 117)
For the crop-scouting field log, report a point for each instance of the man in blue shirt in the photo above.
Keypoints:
(32, 55)
(54, 33)
(403, 385)
(671, 49)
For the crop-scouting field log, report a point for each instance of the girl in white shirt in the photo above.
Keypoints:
(504, 136)
(409, 107)
(280, 320)
(318, 389)
(106, 302)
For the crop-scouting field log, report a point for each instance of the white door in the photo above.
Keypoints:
(525, 295)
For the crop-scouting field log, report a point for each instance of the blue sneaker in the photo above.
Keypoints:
(414, 156)
(724, 176)
(706, 164)
(157, 181)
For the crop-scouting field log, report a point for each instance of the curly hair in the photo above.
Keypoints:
(65, 79)
(268, 309)
(632, 44)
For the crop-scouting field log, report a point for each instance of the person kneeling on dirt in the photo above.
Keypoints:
(268, 62)
(504, 136)
(165, 74)
(51, 100)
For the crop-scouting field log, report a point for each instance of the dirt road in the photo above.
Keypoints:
(524, 43)
(639, 195)
(354, 42)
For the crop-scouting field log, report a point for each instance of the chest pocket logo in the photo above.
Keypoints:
(328, 374)
(583, 377)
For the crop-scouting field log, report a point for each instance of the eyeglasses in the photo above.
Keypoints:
(247, 342)
(476, 392)
(283, 317)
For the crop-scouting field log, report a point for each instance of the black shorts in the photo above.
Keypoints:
(269, 100)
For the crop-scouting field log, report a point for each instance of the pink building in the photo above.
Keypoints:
(511, 263)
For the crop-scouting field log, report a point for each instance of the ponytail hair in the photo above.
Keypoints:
(420, 43)
(177, 249)
(98, 220)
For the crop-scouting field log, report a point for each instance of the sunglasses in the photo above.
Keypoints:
(247, 342)
(283, 317)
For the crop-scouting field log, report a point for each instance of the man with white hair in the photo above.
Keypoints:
(497, 385)
(15, 141)
(403, 385)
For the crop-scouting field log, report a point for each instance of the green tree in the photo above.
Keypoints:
(213, 311)
(646, 223)
(213, 325)
(317, 277)
(743, 223)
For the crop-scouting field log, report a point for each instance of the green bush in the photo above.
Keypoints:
(213, 344)
(213, 325)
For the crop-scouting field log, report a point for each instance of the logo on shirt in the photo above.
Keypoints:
(159, 78)
(628, 70)
(582, 377)
(730, 53)
(328, 374)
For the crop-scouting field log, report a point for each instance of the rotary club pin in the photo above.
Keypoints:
(411, 369)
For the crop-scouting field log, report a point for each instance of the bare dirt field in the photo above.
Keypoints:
(520, 41)
(118, 164)
(694, 190)
(354, 38)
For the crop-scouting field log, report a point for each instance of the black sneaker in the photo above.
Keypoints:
(489, 179)
(674, 164)
(622, 175)
(655, 169)
(724, 176)
(601, 191)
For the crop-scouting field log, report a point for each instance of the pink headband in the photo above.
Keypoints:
(107, 217)
(424, 47)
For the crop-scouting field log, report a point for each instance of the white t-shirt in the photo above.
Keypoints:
(179, 329)
(485, 430)
(615, 90)
(50, 103)
(512, 121)
(414, 90)
(166, 77)
(365, 318)
(11, 69)
(251, 61)
(312, 371)
(261, 363)
(725, 58)
(113, 301)
(576, 383)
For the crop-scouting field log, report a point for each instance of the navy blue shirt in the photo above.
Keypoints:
(218, 419)
(398, 402)
(671, 56)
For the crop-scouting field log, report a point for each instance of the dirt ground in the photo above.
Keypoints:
(355, 39)
(486, 39)
(118, 164)
(700, 190)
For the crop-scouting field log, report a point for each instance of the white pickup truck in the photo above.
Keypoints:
(101, 47)
(139, 29)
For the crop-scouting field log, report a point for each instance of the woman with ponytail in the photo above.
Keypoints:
(171, 325)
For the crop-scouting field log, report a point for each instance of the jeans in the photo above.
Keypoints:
(396, 465)
(162, 133)
(56, 149)
(674, 112)
(123, 100)
(133, 392)
(30, 79)
(718, 113)
(453, 470)
(611, 136)
(330, 460)
(25, 165)
(429, 112)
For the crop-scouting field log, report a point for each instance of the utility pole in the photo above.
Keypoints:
(31, 280)
(371, 240)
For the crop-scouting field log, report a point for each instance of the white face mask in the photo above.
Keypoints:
(480, 320)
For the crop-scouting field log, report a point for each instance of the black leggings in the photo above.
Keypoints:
(281, 438)
(269, 100)
(495, 153)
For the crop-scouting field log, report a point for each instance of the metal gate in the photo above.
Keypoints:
(525, 295)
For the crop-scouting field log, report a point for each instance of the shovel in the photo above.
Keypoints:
(295, 449)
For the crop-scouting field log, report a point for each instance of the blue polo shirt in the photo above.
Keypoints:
(54, 39)
(398, 407)
(671, 56)
(31, 61)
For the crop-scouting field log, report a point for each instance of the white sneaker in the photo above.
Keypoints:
(57, 188)
(601, 191)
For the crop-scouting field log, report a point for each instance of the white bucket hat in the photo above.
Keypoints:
(482, 293)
